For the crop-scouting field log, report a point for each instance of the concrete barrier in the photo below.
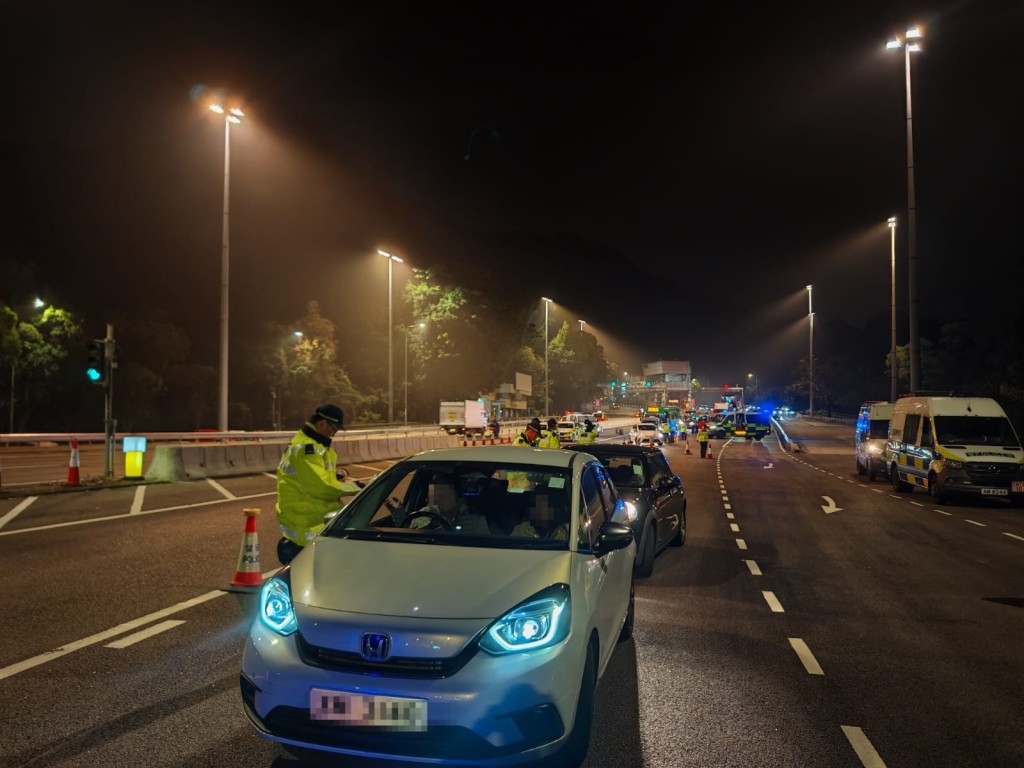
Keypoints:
(166, 466)
(193, 461)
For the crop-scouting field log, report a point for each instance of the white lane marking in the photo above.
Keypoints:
(156, 629)
(741, 543)
(734, 528)
(975, 522)
(727, 506)
(830, 506)
(867, 754)
(730, 516)
(271, 475)
(140, 494)
(99, 637)
(724, 492)
(753, 567)
(877, 490)
(917, 503)
(773, 602)
(140, 514)
(21, 507)
(806, 657)
(894, 496)
(220, 488)
(944, 512)
(1013, 536)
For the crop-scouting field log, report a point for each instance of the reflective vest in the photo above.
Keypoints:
(523, 442)
(588, 437)
(307, 486)
(549, 439)
(703, 436)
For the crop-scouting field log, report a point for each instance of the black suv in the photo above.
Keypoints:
(653, 494)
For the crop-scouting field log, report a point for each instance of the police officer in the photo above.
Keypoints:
(703, 436)
(549, 436)
(589, 435)
(308, 486)
(528, 437)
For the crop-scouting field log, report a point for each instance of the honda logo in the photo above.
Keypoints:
(375, 647)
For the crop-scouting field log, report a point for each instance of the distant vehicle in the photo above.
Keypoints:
(463, 417)
(568, 430)
(954, 446)
(485, 643)
(646, 430)
(758, 425)
(646, 482)
(869, 437)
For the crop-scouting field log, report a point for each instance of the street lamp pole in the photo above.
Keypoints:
(547, 398)
(233, 115)
(810, 358)
(391, 377)
(754, 378)
(893, 388)
(910, 45)
(406, 387)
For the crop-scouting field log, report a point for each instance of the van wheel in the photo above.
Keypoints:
(938, 493)
(898, 485)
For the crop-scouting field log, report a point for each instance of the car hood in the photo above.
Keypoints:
(421, 580)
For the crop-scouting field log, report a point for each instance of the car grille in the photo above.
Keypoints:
(984, 473)
(397, 666)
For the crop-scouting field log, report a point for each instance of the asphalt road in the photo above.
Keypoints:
(812, 619)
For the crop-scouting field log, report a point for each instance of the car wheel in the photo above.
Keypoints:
(574, 752)
(860, 468)
(627, 626)
(898, 485)
(644, 565)
(938, 493)
(680, 538)
(872, 473)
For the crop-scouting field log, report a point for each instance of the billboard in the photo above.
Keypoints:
(524, 383)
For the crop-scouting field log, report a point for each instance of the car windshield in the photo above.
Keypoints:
(477, 504)
(879, 429)
(975, 430)
(625, 471)
(648, 428)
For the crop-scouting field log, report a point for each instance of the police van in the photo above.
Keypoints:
(954, 446)
(870, 436)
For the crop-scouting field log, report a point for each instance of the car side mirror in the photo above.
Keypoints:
(613, 536)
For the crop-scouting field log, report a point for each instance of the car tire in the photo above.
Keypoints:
(574, 751)
(872, 473)
(627, 626)
(644, 565)
(860, 469)
(680, 538)
(935, 489)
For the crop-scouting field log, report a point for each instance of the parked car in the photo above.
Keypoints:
(646, 482)
(646, 430)
(451, 613)
(567, 430)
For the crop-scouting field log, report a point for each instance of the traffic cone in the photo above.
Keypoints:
(73, 476)
(248, 573)
(710, 454)
(687, 444)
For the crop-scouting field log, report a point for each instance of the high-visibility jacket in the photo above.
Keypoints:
(307, 485)
(587, 437)
(703, 436)
(549, 439)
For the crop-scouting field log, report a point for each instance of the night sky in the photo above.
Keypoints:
(718, 156)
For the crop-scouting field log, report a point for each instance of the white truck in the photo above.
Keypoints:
(463, 417)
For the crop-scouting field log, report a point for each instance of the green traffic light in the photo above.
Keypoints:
(93, 374)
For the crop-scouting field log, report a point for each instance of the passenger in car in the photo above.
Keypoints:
(549, 517)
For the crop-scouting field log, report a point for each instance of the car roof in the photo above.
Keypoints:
(511, 454)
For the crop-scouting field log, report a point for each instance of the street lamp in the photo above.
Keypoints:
(407, 328)
(751, 376)
(892, 341)
(910, 45)
(810, 358)
(582, 323)
(234, 116)
(391, 378)
(547, 399)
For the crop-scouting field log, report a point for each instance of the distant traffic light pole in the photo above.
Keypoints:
(810, 356)
(100, 370)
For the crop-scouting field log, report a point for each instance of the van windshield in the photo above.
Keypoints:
(975, 430)
(879, 429)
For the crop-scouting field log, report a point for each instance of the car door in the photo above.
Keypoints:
(607, 574)
(668, 499)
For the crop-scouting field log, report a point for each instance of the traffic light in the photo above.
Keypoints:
(613, 385)
(96, 367)
(647, 383)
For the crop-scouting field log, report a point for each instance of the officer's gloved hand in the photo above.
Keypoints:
(341, 474)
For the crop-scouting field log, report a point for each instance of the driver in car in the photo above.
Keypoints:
(446, 505)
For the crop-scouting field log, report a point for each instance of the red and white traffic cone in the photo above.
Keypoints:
(687, 444)
(73, 475)
(248, 571)
(710, 454)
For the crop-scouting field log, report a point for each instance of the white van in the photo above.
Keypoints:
(869, 439)
(954, 446)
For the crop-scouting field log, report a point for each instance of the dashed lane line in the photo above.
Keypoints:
(773, 602)
(140, 496)
(975, 522)
(741, 543)
(865, 751)
(803, 652)
(1013, 536)
(753, 567)
(730, 516)
(734, 528)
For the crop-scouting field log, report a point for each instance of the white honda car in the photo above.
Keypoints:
(460, 610)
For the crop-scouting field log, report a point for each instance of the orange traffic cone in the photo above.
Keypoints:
(710, 454)
(687, 444)
(73, 477)
(248, 573)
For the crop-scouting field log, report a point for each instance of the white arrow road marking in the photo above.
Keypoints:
(769, 465)
(829, 506)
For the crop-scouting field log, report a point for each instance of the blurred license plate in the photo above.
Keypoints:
(1018, 486)
(994, 492)
(347, 708)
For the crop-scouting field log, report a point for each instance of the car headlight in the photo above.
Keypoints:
(874, 450)
(540, 622)
(276, 611)
(631, 511)
(953, 464)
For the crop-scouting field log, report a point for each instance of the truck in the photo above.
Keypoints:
(463, 417)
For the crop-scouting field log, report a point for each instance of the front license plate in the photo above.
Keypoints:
(346, 708)
(1018, 486)
(994, 492)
